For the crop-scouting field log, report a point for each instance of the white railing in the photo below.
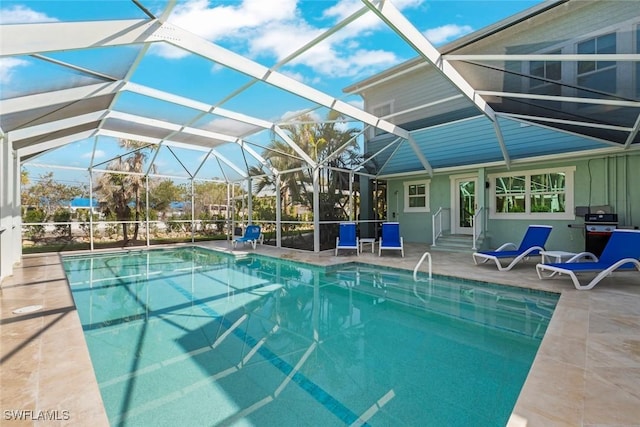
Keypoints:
(439, 221)
(477, 227)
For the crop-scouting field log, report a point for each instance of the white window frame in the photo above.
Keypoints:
(596, 69)
(537, 84)
(380, 106)
(569, 213)
(407, 184)
(611, 67)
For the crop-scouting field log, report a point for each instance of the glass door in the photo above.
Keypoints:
(465, 204)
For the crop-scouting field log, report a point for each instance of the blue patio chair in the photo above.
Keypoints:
(251, 235)
(347, 238)
(391, 239)
(622, 252)
(532, 243)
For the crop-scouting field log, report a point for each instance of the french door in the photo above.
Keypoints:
(463, 199)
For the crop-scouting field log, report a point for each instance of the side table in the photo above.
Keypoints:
(556, 256)
(367, 240)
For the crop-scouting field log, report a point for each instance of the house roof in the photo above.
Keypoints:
(83, 202)
(92, 93)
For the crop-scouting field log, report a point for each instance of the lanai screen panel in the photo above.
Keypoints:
(154, 108)
(595, 97)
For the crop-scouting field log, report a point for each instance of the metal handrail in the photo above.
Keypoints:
(415, 270)
(436, 225)
(435, 234)
(477, 227)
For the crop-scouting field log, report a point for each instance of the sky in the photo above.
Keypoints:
(266, 31)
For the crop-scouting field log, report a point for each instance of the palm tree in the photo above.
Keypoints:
(319, 141)
(333, 182)
(125, 184)
(282, 157)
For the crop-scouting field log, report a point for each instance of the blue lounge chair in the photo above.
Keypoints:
(622, 252)
(251, 235)
(347, 238)
(391, 239)
(532, 243)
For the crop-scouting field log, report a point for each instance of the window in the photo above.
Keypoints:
(543, 194)
(382, 111)
(598, 75)
(545, 71)
(510, 194)
(545, 80)
(416, 196)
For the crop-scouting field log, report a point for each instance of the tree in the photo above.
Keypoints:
(47, 194)
(281, 157)
(320, 141)
(207, 194)
(123, 186)
(164, 192)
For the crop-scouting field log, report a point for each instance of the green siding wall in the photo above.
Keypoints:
(611, 180)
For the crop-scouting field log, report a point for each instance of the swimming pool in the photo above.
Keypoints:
(191, 336)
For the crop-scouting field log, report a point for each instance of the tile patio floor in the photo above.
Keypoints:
(586, 373)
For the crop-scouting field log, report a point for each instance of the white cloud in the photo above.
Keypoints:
(99, 154)
(20, 14)
(345, 8)
(225, 21)
(229, 126)
(8, 67)
(17, 15)
(446, 33)
(296, 76)
(168, 51)
(357, 103)
(293, 116)
(276, 28)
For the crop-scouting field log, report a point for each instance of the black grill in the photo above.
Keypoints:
(598, 230)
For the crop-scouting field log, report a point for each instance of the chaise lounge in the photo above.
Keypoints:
(251, 235)
(622, 252)
(532, 243)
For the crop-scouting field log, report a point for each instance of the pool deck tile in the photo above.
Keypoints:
(586, 373)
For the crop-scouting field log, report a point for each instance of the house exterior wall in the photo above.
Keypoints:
(560, 31)
(416, 91)
(601, 174)
(598, 181)
(409, 97)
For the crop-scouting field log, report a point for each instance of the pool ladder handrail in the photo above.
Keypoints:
(415, 270)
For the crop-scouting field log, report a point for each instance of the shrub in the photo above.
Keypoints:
(62, 230)
(34, 232)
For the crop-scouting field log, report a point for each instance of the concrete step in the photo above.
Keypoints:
(455, 243)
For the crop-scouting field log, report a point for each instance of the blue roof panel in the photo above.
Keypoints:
(525, 140)
(474, 141)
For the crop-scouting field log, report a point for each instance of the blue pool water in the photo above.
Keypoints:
(196, 337)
